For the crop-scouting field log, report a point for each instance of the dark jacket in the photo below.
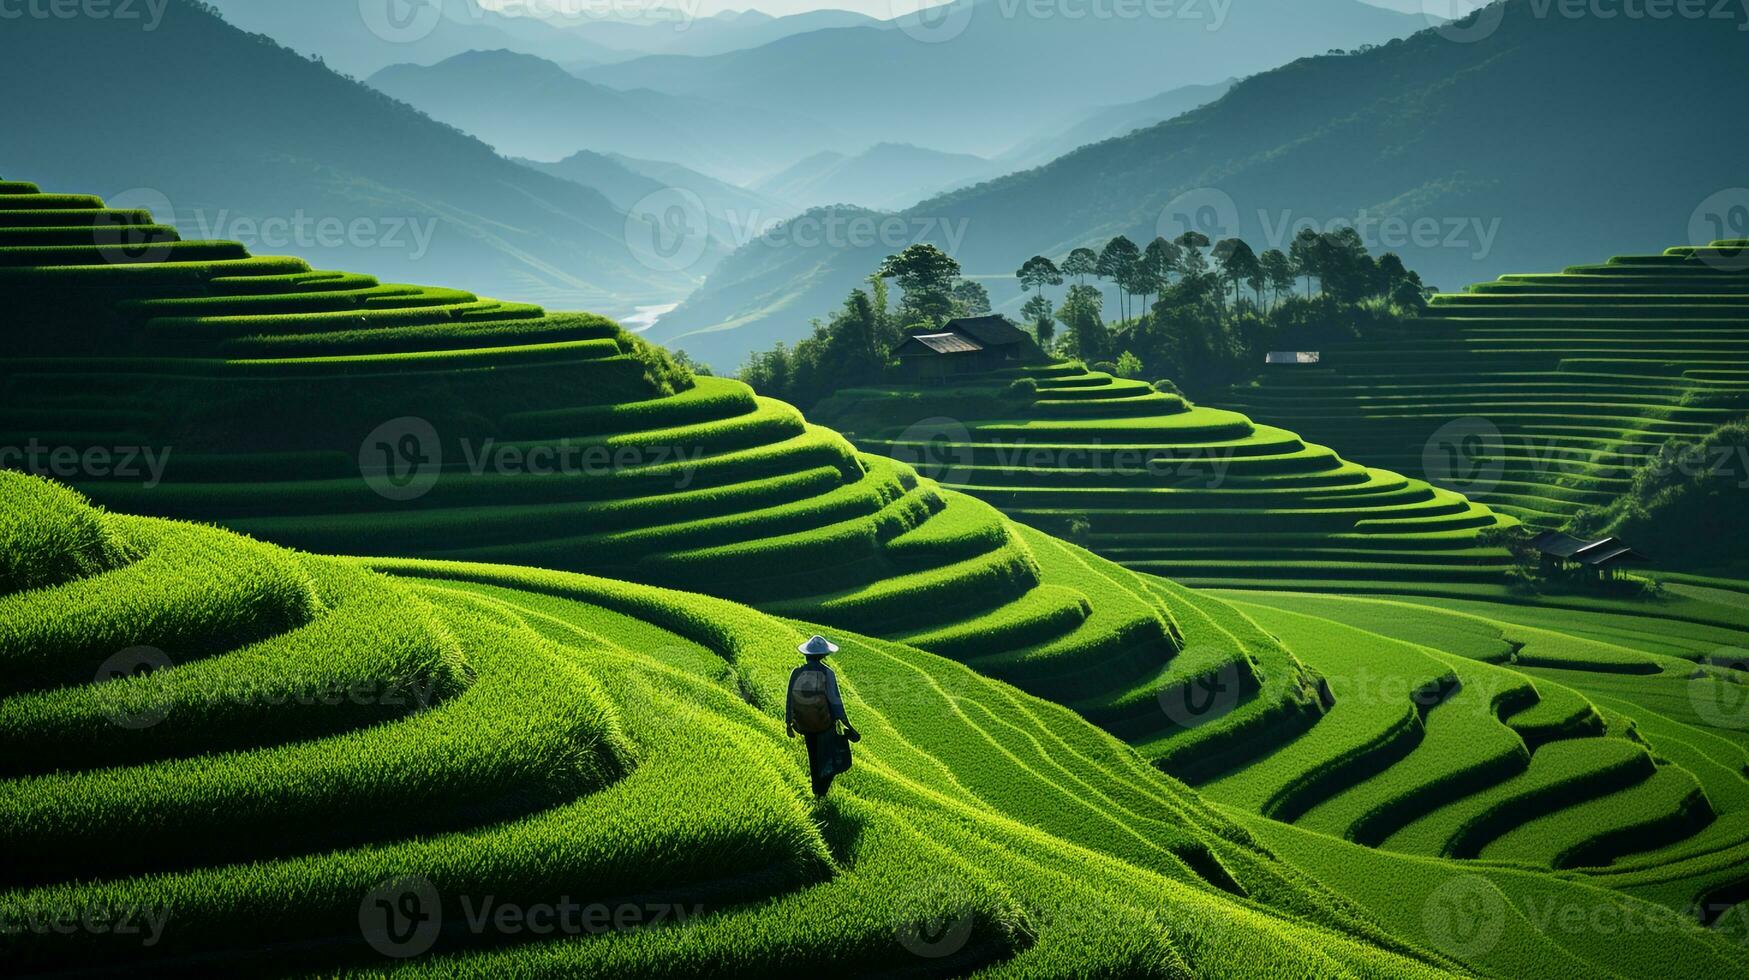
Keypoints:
(828, 751)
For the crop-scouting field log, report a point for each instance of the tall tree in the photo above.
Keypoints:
(1237, 262)
(1044, 325)
(1081, 315)
(1117, 262)
(1306, 252)
(970, 298)
(1081, 263)
(1154, 271)
(1278, 269)
(927, 275)
(1037, 273)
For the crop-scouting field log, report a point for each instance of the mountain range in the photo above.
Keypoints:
(971, 76)
(242, 138)
(528, 106)
(886, 175)
(1406, 141)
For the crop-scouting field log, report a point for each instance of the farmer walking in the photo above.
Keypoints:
(814, 709)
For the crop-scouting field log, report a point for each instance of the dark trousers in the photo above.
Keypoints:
(828, 755)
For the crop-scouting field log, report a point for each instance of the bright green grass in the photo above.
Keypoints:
(615, 743)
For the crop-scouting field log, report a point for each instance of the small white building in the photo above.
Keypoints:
(1291, 357)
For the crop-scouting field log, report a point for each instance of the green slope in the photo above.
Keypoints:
(1150, 481)
(1551, 390)
(333, 413)
(534, 737)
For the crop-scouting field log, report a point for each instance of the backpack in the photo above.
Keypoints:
(809, 713)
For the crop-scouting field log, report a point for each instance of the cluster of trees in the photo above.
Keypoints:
(854, 346)
(1203, 311)
(1196, 311)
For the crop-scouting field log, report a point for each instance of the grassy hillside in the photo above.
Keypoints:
(333, 413)
(1302, 143)
(432, 428)
(1540, 395)
(522, 738)
(531, 739)
(1189, 492)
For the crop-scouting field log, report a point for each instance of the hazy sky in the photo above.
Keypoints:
(705, 8)
(874, 8)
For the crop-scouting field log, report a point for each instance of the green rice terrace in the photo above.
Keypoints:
(531, 646)
(1560, 384)
(1148, 480)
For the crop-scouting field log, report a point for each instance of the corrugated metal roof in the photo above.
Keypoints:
(1598, 552)
(947, 343)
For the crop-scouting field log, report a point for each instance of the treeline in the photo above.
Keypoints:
(855, 345)
(1198, 312)
(1203, 313)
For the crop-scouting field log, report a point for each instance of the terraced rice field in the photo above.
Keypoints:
(534, 735)
(552, 669)
(1461, 729)
(1194, 493)
(1537, 395)
(422, 432)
